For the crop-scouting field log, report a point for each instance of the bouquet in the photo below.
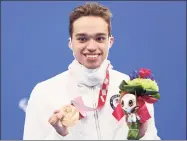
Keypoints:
(134, 94)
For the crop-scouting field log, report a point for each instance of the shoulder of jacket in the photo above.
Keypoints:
(58, 79)
(117, 74)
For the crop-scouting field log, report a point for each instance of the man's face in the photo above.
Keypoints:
(90, 41)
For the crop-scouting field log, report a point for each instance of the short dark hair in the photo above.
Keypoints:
(90, 9)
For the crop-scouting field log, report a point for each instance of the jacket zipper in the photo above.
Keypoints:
(96, 116)
(97, 123)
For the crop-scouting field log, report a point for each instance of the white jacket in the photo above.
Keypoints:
(55, 92)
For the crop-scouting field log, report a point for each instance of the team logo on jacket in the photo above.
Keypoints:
(114, 100)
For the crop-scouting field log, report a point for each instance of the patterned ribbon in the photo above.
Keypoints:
(79, 104)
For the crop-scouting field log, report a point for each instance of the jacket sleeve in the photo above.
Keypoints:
(151, 133)
(36, 120)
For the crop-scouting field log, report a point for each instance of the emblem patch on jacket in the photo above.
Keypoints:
(114, 100)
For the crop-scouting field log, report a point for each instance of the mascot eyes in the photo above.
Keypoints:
(122, 103)
(130, 103)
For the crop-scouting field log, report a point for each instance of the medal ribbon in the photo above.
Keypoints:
(78, 102)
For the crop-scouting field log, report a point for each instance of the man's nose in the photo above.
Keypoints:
(92, 45)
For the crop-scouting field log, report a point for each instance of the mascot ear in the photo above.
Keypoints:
(135, 109)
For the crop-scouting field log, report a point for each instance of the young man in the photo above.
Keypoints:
(89, 76)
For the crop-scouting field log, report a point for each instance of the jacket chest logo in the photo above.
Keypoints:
(114, 100)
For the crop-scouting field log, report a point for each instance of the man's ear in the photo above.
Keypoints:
(111, 41)
(70, 43)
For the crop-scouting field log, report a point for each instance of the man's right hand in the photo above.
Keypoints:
(54, 120)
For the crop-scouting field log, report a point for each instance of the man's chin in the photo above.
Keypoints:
(92, 65)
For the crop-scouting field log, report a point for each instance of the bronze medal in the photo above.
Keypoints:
(71, 115)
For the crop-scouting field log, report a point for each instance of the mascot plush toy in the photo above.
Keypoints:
(134, 94)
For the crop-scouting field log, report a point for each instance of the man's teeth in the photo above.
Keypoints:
(91, 56)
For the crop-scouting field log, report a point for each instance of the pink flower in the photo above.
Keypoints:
(144, 73)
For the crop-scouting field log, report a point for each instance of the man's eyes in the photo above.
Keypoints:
(98, 39)
(82, 39)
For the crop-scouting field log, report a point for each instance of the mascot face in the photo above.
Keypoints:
(128, 102)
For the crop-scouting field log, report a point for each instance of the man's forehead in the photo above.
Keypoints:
(91, 34)
(90, 26)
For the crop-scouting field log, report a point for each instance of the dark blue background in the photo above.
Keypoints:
(147, 34)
